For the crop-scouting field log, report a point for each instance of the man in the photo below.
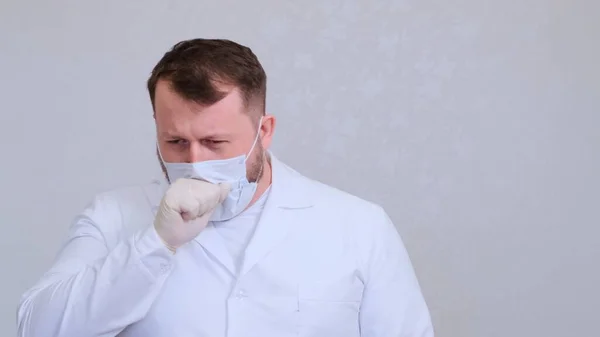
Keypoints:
(233, 242)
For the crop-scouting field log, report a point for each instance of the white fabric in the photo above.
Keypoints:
(236, 233)
(321, 263)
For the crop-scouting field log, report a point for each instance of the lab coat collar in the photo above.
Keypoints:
(289, 189)
(289, 194)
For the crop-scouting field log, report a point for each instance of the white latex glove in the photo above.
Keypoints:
(185, 209)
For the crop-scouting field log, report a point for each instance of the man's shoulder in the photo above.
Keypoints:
(363, 222)
(339, 201)
(126, 207)
(146, 193)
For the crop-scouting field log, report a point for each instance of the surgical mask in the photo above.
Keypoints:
(231, 171)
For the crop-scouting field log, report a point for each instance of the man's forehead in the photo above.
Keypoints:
(200, 124)
(231, 106)
(204, 120)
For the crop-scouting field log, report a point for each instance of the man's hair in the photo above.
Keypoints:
(195, 69)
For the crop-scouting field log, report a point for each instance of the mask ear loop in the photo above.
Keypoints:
(255, 139)
(252, 149)
(162, 162)
(159, 153)
(262, 159)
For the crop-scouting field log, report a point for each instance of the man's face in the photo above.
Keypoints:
(188, 132)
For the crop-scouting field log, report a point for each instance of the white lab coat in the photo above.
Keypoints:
(322, 263)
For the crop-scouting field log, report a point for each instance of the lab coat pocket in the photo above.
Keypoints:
(330, 307)
(267, 316)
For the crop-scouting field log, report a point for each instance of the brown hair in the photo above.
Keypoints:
(194, 68)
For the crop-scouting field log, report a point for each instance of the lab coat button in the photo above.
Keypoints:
(164, 267)
(241, 295)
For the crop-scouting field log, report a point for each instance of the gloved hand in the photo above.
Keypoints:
(185, 209)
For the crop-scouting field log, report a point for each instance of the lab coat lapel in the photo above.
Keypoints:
(213, 243)
(288, 196)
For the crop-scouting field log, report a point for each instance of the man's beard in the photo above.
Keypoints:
(254, 172)
(257, 164)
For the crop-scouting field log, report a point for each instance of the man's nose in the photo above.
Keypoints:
(196, 153)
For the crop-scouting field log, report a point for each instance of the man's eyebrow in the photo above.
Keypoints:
(168, 134)
(215, 135)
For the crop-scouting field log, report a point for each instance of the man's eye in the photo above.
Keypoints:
(213, 142)
(177, 141)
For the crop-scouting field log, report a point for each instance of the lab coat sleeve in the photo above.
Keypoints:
(392, 305)
(93, 290)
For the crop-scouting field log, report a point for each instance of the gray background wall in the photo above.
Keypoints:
(475, 123)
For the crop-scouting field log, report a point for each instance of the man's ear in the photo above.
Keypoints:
(267, 129)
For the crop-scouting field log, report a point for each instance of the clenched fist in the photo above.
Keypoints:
(185, 209)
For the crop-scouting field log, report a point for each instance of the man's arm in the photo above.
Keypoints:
(93, 291)
(392, 305)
